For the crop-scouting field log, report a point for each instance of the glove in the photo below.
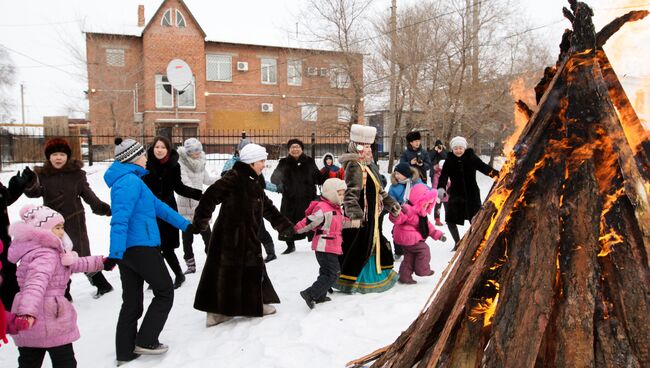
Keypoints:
(110, 263)
(395, 210)
(287, 234)
(192, 229)
(69, 258)
(104, 210)
(28, 175)
(442, 193)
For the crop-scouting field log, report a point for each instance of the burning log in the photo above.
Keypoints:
(554, 270)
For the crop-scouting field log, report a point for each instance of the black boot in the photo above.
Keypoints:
(291, 247)
(98, 280)
(179, 280)
(270, 257)
(308, 299)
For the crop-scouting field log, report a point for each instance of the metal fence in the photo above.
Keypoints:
(27, 145)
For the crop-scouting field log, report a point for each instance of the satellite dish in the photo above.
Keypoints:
(179, 74)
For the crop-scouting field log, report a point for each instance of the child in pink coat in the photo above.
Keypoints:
(46, 263)
(326, 219)
(412, 228)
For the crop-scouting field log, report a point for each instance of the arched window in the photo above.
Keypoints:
(167, 18)
(180, 20)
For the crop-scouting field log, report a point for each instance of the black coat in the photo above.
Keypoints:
(62, 190)
(164, 180)
(296, 180)
(421, 154)
(234, 281)
(464, 195)
(9, 285)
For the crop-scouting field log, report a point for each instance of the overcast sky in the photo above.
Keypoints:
(32, 30)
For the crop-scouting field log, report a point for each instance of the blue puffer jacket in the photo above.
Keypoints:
(135, 209)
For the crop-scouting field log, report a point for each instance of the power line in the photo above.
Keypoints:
(37, 61)
(38, 24)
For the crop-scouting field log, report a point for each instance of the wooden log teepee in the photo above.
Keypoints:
(554, 271)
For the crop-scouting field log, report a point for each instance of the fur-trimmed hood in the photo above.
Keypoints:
(415, 176)
(26, 238)
(419, 196)
(70, 166)
(196, 165)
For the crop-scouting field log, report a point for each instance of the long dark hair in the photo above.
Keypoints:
(165, 140)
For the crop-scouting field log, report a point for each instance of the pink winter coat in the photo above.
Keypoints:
(42, 279)
(327, 221)
(405, 232)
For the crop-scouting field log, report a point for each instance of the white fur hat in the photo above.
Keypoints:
(458, 142)
(252, 153)
(363, 133)
(330, 188)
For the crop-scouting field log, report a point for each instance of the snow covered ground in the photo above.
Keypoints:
(330, 335)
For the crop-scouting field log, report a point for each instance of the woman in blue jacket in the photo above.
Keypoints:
(135, 247)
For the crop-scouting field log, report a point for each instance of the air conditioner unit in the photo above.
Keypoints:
(312, 71)
(242, 66)
(266, 107)
(324, 72)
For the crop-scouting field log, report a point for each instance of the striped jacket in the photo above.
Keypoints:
(327, 221)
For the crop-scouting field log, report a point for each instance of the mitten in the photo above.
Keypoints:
(110, 263)
(15, 323)
(69, 258)
(192, 229)
(28, 175)
(442, 193)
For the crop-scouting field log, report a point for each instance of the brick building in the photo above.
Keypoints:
(236, 86)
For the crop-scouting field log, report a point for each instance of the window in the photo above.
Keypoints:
(269, 71)
(344, 114)
(294, 72)
(339, 77)
(167, 18)
(164, 96)
(309, 112)
(180, 20)
(219, 67)
(186, 98)
(115, 57)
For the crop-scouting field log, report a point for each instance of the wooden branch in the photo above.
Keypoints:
(616, 24)
(523, 108)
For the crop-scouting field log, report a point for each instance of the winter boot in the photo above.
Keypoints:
(270, 258)
(407, 282)
(122, 362)
(308, 299)
(324, 300)
(438, 222)
(154, 349)
(191, 266)
(268, 309)
(290, 249)
(99, 281)
(179, 280)
(214, 319)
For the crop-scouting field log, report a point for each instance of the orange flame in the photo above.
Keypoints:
(484, 309)
(519, 91)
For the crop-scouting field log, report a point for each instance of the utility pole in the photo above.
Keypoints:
(22, 104)
(392, 111)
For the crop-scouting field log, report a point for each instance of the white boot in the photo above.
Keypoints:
(268, 309)
(214, 319)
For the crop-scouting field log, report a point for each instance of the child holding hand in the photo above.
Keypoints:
(45, 320)
(326, 219)
(412, 228)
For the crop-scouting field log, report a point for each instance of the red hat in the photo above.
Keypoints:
(57, 145)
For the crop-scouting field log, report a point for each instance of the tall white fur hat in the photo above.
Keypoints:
(362, 133)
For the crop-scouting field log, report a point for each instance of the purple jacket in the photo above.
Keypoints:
(406, 230)
(42, 279)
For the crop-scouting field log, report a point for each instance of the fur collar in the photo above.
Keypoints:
(415, 176)
(195, 165)
(26, 238)
(47, 169)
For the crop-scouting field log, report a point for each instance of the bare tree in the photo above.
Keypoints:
(7, 77)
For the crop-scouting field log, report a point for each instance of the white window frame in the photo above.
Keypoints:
(159, 83)
(222, 63)
(182, 18)
(339, 77)
(344, 113)
(269, 70)
(191, 87)
(119, 53)
(309, 112)
(167, 14)
(294, 72)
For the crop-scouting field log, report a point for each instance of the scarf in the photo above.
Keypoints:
(407, 188)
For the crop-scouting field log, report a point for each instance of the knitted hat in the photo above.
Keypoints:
(458, 142)
(362, 133)
(413, 136)
(252, 153)
(293, 141)
(192, 145)
(57, 145)
(404, 169)
(242, 143)
(40, 216)
(127, 150)
(438, 143)
(330, 189)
